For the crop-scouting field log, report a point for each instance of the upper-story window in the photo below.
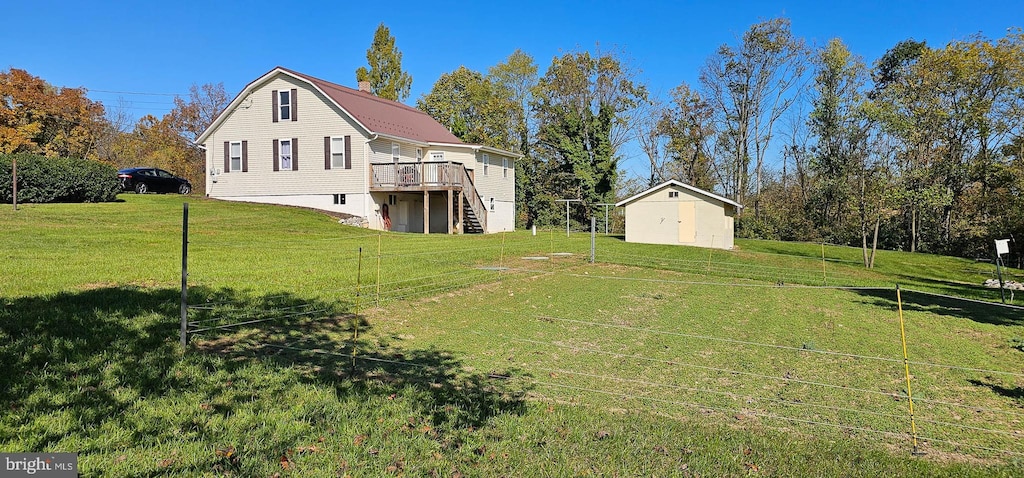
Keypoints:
(396, 152)
(504, 167)
(437, 155)
(286, 154)
(419, 154)
(487, 160)
(673, 194)
(236, 156)
(284, 104)
(338, 152)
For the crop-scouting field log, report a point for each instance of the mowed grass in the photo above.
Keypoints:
(474, 357)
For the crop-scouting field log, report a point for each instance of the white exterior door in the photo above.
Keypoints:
(402, 219)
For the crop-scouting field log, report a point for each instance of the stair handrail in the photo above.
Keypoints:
(476, 202)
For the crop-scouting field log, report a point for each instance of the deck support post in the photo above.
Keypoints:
(449, 209)
(426, 212)
(462, 225)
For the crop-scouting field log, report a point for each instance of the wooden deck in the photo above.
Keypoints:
(433, 176)
(418, 176)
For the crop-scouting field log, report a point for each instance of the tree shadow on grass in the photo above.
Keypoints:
(994, 314)
(74, 361)
(324, 351)
(74, 353)
(1016, 393)
(954, 288)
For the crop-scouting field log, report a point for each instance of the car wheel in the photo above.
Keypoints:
(184, 189)
(141, 188)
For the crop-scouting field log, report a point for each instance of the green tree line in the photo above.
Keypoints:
(920, 150)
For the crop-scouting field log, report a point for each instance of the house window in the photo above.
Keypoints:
(673, 194)
(339, 199)
(236, 156)
(492, 204)
(396, 152)
(392, 199)
(419, 154)
(284, 104)
(504, 167)
(437, 155)
(487, 160)
(286, 154)
(338, 152)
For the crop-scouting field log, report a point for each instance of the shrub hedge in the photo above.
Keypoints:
(43, 180)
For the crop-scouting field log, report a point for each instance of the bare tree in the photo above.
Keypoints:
(647, 128)
(689, 128)
(750, 86)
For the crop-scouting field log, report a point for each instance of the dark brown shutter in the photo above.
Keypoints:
(295, 154)
(245, 156)
(348, 152)
(273, 100)
(295, 104)
(277, 158)
(227, 156)
(327, 152)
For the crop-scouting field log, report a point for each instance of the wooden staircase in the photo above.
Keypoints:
(474, 212)
(470, 221)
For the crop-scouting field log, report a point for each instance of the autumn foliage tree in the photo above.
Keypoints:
(37, 117)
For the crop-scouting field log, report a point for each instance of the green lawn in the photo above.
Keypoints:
(506, 354)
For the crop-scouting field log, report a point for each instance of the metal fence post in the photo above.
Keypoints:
(184, 275)
(593, 237)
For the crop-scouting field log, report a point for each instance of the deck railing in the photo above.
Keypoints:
(418, 174)
(429, 174)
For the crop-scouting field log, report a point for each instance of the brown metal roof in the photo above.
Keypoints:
(383, 116)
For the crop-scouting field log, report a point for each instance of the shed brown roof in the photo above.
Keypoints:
(381, 115)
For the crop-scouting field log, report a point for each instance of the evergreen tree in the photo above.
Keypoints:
(386, 77)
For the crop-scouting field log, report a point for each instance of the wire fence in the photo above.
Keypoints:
(671, 367)
(322, 277)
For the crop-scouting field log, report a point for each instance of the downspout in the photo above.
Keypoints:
(366, 175)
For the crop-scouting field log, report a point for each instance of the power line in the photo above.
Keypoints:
(132, 93)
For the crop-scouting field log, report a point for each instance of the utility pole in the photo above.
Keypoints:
(567, 201)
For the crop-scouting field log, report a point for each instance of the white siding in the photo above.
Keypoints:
(494, 184)
(252, 121)
(654, 219)
(503, 218)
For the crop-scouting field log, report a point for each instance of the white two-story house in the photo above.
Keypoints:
(292, 139)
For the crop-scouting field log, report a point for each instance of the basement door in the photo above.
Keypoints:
(687, 222)
(402, 221)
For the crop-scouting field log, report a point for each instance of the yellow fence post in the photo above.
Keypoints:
(906, 368)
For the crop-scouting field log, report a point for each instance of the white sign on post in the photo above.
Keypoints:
(1002, 246)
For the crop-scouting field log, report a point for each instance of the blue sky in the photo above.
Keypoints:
(161, 48)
